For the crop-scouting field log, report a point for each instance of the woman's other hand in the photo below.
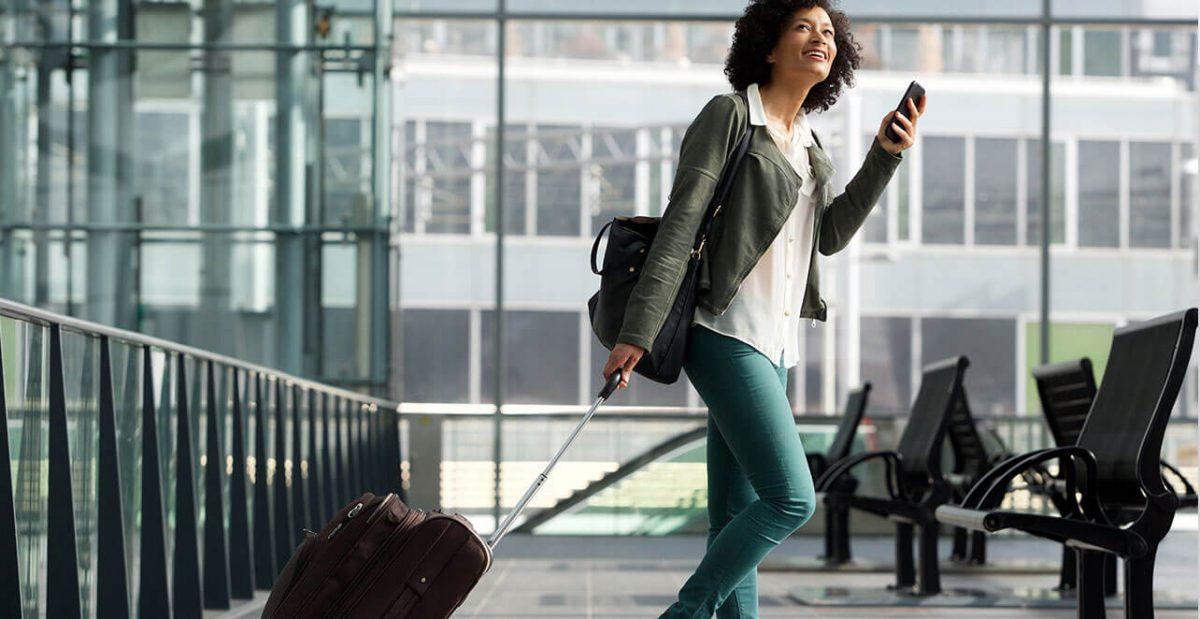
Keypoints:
(623, 358)
(905, 126)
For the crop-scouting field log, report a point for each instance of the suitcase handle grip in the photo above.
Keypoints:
(614, 379)
(610, 385)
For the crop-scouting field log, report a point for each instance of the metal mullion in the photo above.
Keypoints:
(186, 598)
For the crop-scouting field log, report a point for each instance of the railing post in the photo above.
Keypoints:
(216, 558)
(283, 516)
(316, 468)
(187, 600)
(154, 598)
(10, 588)
(343, 450)
(241, 552)
(329, 463)
(299, 509)
(62, 556)
(353, 463)
(264, 549)
(112, 585)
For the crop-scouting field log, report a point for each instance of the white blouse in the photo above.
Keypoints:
(765, 311)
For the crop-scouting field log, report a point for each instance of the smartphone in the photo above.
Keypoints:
(915, 92)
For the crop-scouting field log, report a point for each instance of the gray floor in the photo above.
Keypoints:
(595, 578)
(602, 577)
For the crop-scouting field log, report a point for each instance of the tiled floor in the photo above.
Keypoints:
(610, 577)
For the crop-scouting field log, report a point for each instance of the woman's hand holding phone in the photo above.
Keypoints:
(904, 125)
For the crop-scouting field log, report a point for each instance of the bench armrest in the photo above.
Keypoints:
(991, 489)
(843, 466)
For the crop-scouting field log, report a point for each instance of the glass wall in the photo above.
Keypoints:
(595, 102)
(196, 173)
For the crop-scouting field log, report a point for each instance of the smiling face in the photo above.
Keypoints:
(806, 46)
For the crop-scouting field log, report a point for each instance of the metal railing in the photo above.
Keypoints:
(162, 477)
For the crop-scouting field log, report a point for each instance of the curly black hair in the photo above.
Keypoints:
(757, 32)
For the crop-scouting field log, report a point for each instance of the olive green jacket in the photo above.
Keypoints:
(759, 202)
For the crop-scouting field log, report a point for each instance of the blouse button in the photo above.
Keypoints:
(787, 312)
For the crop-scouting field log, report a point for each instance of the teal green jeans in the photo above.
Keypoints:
(759, 487)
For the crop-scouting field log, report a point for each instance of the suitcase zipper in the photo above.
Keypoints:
(397, 533)
(354, 511)
(388, 563)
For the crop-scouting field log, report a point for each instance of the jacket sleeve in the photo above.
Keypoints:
(847, 212)
(702, 153)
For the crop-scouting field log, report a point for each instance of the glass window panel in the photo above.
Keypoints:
(448, 176)
(1099, 202)
(611, 174)
(559, 182)
(1150, 194)
(886, 349)
(1068, 341)
(995, 191)
(990, 345)
(1033, 197)
(875, 228)
(436, 355)
(1101, 52)
(942, 162)
(81, 376)
(541, 356)
(1187, 195)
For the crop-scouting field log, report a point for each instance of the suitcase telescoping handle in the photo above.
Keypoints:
(614, 379)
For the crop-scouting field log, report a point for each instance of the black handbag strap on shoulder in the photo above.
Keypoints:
(714, 205)
(727, 173)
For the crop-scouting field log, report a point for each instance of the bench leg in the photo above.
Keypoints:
(1139, 586)
(1066, 574)
(978, 548)
(1089, 590)
(1110, 574)
(931, 578)
(958, 551)
(905, 572)
(837, 536)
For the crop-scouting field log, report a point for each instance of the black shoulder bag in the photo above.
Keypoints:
(628, 244)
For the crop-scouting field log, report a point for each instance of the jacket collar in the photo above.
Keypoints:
(823, 169)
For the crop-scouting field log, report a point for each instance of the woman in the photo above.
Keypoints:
(788, 57)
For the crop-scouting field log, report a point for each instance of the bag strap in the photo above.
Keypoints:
(596, 245)
(727, 175)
